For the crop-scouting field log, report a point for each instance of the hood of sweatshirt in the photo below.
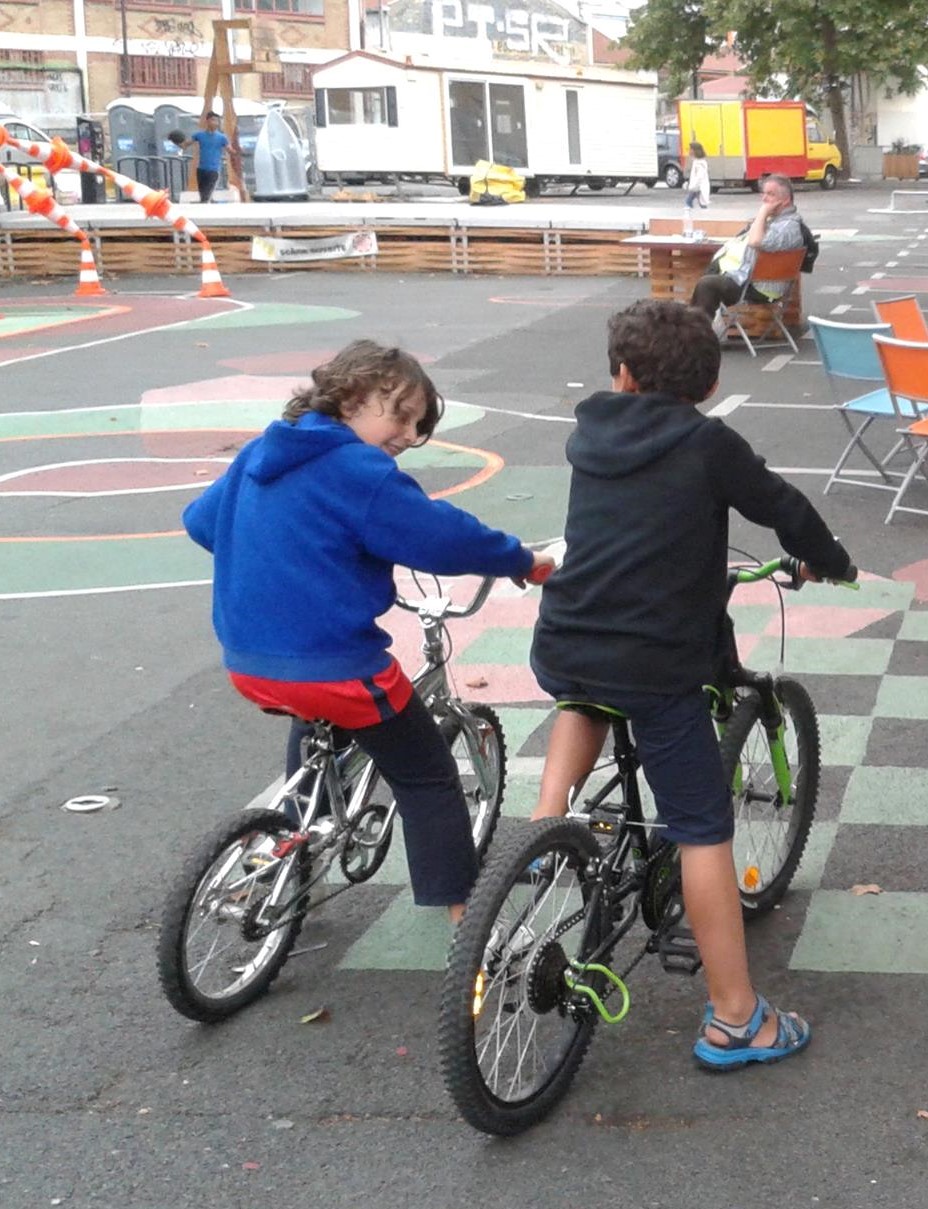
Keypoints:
(619, 434)
(284, 446)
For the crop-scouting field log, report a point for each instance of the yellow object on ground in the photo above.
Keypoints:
(496, 180)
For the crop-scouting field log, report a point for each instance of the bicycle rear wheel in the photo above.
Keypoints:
(512, 1036)
(770, 834)
(479, 750)
(222, 943)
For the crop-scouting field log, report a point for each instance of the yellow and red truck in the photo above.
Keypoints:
(744, 141)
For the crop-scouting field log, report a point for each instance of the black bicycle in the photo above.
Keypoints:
(529, 972)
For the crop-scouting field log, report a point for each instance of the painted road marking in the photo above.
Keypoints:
(842, 309)
(777, 363)
(727, 405)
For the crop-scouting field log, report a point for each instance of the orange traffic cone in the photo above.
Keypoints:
(212, 286)
(89, 281)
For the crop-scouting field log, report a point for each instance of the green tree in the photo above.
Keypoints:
(807, 48)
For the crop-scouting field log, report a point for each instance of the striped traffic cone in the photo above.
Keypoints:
(89, 281)
(212, 286)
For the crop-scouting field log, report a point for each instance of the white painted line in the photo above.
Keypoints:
(30, 470)
(893, 264)
(861, 289)
(180, 583)
(877, 275)
(841, 310)
(522, 415)
(727, 405)
(796, 406)
(148, 331)
(831, 289)
(901, 255)
(777, 363)
(815, 470)
(866, 264)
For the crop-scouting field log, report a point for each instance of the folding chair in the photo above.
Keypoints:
(905, 367)
(905, 317)
(768, 266)
(848, 351)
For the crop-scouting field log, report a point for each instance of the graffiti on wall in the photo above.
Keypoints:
(532, 29)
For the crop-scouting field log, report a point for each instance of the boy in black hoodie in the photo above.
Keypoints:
(634, 619)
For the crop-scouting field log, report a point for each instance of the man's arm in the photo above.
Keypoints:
(758, 228)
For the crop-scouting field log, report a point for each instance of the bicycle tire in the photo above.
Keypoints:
(769, 838)
(502, 939)
(186, 987)
(483, 808)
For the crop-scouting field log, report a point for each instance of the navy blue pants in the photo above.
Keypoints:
(413, 758)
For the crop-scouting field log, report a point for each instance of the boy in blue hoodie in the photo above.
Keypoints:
(305, 528)
(635, 617)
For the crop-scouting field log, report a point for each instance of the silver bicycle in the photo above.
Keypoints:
(231, 919)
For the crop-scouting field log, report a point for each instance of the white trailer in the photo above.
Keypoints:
(379, 118)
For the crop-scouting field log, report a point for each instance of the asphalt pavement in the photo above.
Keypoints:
(107, 1097)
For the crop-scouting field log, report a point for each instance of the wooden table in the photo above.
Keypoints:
(676, 264)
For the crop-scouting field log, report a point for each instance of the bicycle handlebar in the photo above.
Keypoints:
(477, 601)
(793, 568)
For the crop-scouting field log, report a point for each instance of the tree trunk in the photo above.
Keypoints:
(834, 94)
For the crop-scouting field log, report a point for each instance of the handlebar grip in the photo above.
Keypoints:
(850, 575)
(539, 574)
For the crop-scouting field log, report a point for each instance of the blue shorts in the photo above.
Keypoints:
(679, 753)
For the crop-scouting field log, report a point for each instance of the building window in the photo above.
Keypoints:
(360, 106)
(168, 73)
(298, 8)
(22, 58)
(293, 80)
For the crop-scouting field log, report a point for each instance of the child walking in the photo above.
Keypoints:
(697, 187)
(635, 617)
(305, 527)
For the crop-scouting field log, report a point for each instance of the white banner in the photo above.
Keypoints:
(290, 251)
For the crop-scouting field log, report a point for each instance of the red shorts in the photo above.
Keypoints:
(352, 704)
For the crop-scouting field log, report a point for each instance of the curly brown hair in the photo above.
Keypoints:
(669, 348)
(340, 386)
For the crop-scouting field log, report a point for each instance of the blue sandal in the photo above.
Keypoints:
(793, 1035)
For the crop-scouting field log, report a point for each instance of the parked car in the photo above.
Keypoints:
(669, 159)
(922, 165)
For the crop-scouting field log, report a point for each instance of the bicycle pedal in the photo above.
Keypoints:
(675, 943)
(605, 819)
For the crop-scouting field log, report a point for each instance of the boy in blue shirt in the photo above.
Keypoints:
(634, 618)
(212, 144)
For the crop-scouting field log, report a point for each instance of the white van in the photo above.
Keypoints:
(67, 183)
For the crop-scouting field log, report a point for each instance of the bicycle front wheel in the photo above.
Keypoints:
(227, 927)
(770, 832)
(479, 749)
(512, 1035)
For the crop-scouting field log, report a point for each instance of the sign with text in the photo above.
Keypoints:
(293, 251)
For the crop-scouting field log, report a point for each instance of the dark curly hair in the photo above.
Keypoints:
(341, 385)
(668, 348)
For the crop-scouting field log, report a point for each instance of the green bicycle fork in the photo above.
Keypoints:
(580, 988)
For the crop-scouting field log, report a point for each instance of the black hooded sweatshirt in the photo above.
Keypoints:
(639, 603)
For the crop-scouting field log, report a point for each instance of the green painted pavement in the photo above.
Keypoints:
(504, 644)
(35, 567)
(895, 797)
(915, 626)
(404, 937)
(818, 849)
(901, 697)
(871, 934)
(19, 322)
(826, 656)
(268, 314)
(844, 738)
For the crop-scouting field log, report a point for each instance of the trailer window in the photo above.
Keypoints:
(573, 126)
(358, 107)
(468, 122)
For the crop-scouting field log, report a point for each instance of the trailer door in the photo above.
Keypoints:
(507, 125)
(469, 141)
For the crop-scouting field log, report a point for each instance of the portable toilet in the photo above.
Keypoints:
(170, 117)
(131, 133)
(279, 163)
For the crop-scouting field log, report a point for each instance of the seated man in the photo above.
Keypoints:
(774, 229)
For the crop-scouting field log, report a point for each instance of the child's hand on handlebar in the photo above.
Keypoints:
(541, 568)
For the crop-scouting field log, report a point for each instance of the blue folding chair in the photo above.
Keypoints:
(848, 351)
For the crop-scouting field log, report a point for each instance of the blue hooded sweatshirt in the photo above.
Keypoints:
(305, 528)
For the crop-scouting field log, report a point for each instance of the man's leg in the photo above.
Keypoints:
(573, 749)
(713, 289)
(206, 183)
